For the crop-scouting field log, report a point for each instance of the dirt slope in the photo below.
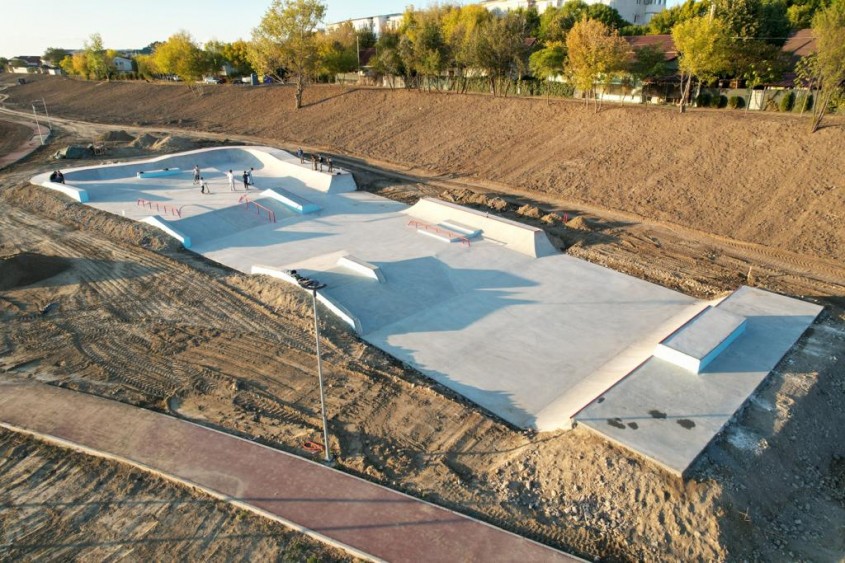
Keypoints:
(757, 178)
(66, 506)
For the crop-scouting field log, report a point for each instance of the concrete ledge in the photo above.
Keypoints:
(469, 232)
(360, 267)
(75, 193)
(159, 173)
(159, 223)
(335, 308)
(699, 341)
(295, 202)
(524, 239)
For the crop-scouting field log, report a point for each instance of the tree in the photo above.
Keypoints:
(703, 48)
(180, 56)
(214, 57)
(648, 61)
(366, 38)
(499, 49)
(54, 56)
(286, 37)
(460, 25)
(663, 21)
(387, 60)
(757, 62)
(337, 50)
(800, 13)
(237, 55)
(829, 66)
(548, 61)
(95, 58)
(3, 63)
(596, 55)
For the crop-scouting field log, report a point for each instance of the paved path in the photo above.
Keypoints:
(361, 517)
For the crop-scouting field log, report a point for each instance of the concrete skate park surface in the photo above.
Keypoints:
(482, 305)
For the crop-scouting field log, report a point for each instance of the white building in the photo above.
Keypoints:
(634, 11)
(377, 24)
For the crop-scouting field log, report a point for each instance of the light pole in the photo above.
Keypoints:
(313, 286)
(40, 136)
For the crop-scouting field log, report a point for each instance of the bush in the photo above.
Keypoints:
(719, 101)
(787, 101)
(703, 100)
(736, 102)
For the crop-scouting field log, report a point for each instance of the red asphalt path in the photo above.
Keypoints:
(363, 518)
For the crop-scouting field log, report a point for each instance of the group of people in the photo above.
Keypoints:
(230, 177)
(317, 160)
(57, 177)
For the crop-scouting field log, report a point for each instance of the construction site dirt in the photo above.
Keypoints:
(104, 305)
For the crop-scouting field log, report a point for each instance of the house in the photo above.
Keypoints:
(31, 65)
(122, 64)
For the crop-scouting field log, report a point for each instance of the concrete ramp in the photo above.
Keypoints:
(521, 238)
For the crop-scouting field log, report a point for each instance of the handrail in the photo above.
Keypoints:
(439, 230)
(271, 215)
(161, 207)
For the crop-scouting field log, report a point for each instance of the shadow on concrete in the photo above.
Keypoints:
(414, 287)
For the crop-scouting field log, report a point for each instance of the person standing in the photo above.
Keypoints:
(204, 187)
(231, 177)
(197, 177)
(301, 155)
(250, 178)
(246, 180)
(314, 161)
(320, 159)
(331, 166)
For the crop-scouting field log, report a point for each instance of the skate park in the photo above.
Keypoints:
(483, 305)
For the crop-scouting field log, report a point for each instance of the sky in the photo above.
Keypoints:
(34, 25)
(39, 24)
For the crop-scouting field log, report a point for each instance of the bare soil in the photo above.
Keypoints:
(121, 311)
(12, 136)
(59, 505)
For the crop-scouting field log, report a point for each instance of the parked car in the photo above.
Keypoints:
(212, 80)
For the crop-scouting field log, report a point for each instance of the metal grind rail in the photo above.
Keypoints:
(271, 215)
(440, 231)
(167, 209)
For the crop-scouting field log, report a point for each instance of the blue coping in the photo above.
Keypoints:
(295, 202)
(159, 173)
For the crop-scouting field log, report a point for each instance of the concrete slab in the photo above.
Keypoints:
(528, 333)
(670, 414)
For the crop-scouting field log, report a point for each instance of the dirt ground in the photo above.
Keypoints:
(59, 505)
(94, 302)
(12, 135)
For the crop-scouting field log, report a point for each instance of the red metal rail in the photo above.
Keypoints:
(271, 215)
(177, 211)
(439, 230)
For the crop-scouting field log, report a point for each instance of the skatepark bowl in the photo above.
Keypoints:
(483, 305)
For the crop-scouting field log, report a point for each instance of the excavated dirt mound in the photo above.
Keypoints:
(145, 141)
(174, 144)
(117, 137)
(755, 177)
(28, 268)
